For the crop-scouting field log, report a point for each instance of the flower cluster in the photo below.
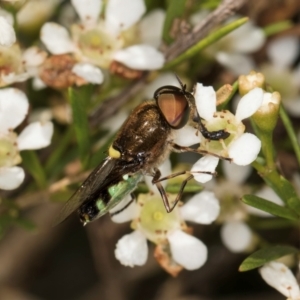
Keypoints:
(36, 135)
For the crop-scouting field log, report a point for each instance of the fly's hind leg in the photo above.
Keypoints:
(124, 207)
(157, 181)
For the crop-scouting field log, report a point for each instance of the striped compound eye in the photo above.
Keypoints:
(174, 105)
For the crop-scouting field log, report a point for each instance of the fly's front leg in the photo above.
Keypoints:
(213, 135)
(210, 135)
(178, 148)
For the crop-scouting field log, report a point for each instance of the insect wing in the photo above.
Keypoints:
(95, 181)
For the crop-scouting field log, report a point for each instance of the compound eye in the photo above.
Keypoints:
(174, 107)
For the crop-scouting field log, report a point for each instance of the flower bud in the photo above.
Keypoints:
(266, 116)
(251, 81)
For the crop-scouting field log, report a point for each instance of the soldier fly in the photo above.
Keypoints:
(143, 142)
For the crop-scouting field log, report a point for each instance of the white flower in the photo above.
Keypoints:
(280, 73)
(13, 109)
(278, 276)
(241, 147)
(152, 222)
(236, 236)
(7, 33)
(102, 42)
(233, 50)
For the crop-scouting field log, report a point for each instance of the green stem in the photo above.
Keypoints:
(282, 187)
(291, 132)
(59, 150)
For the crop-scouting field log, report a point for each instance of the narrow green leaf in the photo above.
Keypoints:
(34, 167)
(60, 150)
(78, 104)
(25, 224)
(277, 27)
(290, 131)
(176, 10)
(294, 203)
(270, 207)
(210, 39)
(265, 255)
(189, 188)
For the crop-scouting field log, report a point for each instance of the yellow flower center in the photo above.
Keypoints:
(222, 120)
(9, 153)
(154, 220)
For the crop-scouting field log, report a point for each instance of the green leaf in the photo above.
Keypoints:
(210, 39)
(294, 203)
(34, 167)
(270, 207)
(25, 224)
(176, 10)
(78, 100)
(60, 150)
(277, 27)
(266, 255)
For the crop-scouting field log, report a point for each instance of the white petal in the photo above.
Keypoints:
(165, 170)
(245, 149)
(38, 84)
(151, 27)
(278, 276)
(206, 163)
(249, 104)
(11, 178)
(122, 14)
(187, 250)
(206, 101)
(8, 16)
(236, 236)
(140, 57)
(202, 208)
(34, 56)
(283, 51)
(267, 193)
(186, 136)
(235, 173)
(13, 108)
(128, 213)
(88, 10)
(56, 38)
(246, 39)
(167, 78)
(132, 250)
(88, 72)
(237, 63)
(7, 33)
(36, 135)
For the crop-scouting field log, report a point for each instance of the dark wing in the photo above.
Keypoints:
(95, 181)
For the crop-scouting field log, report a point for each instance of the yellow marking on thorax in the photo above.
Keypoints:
(113, 153)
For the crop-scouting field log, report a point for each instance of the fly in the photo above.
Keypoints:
(143, 142)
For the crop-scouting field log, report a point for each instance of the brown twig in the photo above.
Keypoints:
(182, 43)
(220, 14)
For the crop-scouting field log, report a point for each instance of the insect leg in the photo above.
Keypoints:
(156, 180)
(178, 148)
(124, 207)
(213, 135)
